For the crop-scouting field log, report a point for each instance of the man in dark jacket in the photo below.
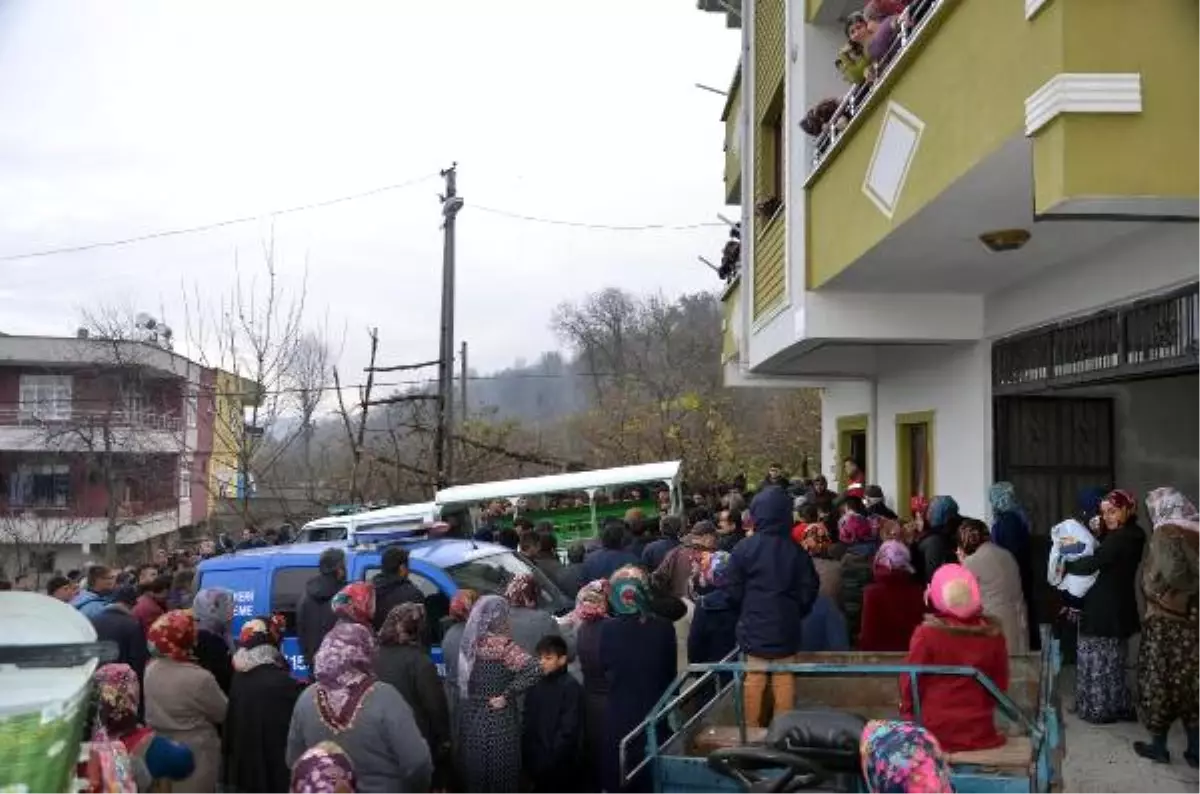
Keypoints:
(314, 614)
(601, 564)
(392, 585)
(570, 577)
(635, 522)
(773, 582)
(657, 551)
(116, 624)
(875, 505)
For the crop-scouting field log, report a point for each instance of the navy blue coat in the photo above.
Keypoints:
(772, 580)
(655, 552)
(603, 563)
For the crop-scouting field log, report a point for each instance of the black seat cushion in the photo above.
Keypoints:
(827, 736)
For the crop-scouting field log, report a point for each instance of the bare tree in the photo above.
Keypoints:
(258, 337)
(309, 378)
(30, 536)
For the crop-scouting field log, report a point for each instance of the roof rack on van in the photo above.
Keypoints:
(378, 538)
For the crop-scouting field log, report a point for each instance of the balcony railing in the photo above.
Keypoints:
(913, 27)
(151, 421)
(1157, 336)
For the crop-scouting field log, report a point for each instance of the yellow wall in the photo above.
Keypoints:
(228, 414)
(769, 64)
(967, 82)
(733, 159)
(729, 340)
(1152, 153)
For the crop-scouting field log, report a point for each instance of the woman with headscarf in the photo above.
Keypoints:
(999, 582)
(638, 654)
(213, 608)
(713, 633)
(404, 663)
(493, 672)
(529, 624)
(957, 710)
(367, 718)
(1167, 663)
(937, 544)
(814, 538)
(893, 604)
(324, 769)
(903, 758)
(589, 616)
(355, 603)
(117, 696)
(460, 609)
(261, 699)
(1011, 531)
(183, 700)
(1110, 613)
(858, 563)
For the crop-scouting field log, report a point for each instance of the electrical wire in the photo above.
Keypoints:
(607, 227)
(74, 249)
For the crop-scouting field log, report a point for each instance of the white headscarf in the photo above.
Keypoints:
(1169, 507)
(489, 616)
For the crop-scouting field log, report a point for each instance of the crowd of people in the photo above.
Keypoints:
(534, 702)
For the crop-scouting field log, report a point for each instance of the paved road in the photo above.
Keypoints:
(1101, 758)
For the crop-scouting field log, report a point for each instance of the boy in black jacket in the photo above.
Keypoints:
(552, 741)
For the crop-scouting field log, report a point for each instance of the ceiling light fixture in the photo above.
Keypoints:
(1004, 240)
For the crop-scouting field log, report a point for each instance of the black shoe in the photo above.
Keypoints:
(1192, 760)
(1155, 754)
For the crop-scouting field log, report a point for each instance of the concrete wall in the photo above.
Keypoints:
(1157, 430)
(950, 381)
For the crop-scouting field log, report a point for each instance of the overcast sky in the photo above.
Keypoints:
(120, 118)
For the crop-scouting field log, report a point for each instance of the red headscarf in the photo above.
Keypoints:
(460, 605)
(919, 505)
(173, 635)
(355, 602)
(1121, 499)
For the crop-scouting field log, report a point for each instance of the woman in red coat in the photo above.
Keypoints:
(956, 709)
(893, 604)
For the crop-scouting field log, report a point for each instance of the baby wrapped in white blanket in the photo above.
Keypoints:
(1070, 540)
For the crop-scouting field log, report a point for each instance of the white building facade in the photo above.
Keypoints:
(987, 260)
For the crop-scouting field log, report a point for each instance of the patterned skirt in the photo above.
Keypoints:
(1167, 674)
(1101, 689)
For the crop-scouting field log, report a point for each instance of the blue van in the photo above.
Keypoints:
(273, 579)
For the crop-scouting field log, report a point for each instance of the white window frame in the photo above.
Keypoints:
(45, 398)
(185, 478)
(21, 485)
(191, 406)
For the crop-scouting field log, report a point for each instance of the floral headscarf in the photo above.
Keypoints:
(941, 510)
(487, 626)
(902, 757)
(1003, 498)
(213, 609)
(355, 602)
(258, 643)
(813, 538)
(324, 769)
(630, 592)
(854, 528)
(591, 603)
(894, 556)
(345, 672)
(708, 569)
(1120, 499)
(885, 528)
(461, 603)
(118, 695)
(404, 625)
(522, 591)
(1169, 507)
(173, 635)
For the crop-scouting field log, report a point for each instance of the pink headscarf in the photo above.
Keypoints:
(854, 528)
(954, 591)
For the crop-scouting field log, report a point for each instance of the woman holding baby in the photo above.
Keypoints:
(1110, 613)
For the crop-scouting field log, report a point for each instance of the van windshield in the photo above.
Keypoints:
(490, 575)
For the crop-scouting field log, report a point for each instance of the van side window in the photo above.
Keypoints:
(287, 588)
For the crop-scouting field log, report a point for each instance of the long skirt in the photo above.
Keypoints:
(1101, 690)
(1167, 674)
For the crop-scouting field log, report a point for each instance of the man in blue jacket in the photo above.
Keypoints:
(95, 597)
(773, 581)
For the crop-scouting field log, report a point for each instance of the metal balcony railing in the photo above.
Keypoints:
(912, 28)
(55, 419)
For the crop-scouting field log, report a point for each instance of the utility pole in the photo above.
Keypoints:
(462, 377)
(443, 443)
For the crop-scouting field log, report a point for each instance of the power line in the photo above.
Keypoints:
(608, 227)
(74, 249)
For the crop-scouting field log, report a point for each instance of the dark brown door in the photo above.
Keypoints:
(1050, 448)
